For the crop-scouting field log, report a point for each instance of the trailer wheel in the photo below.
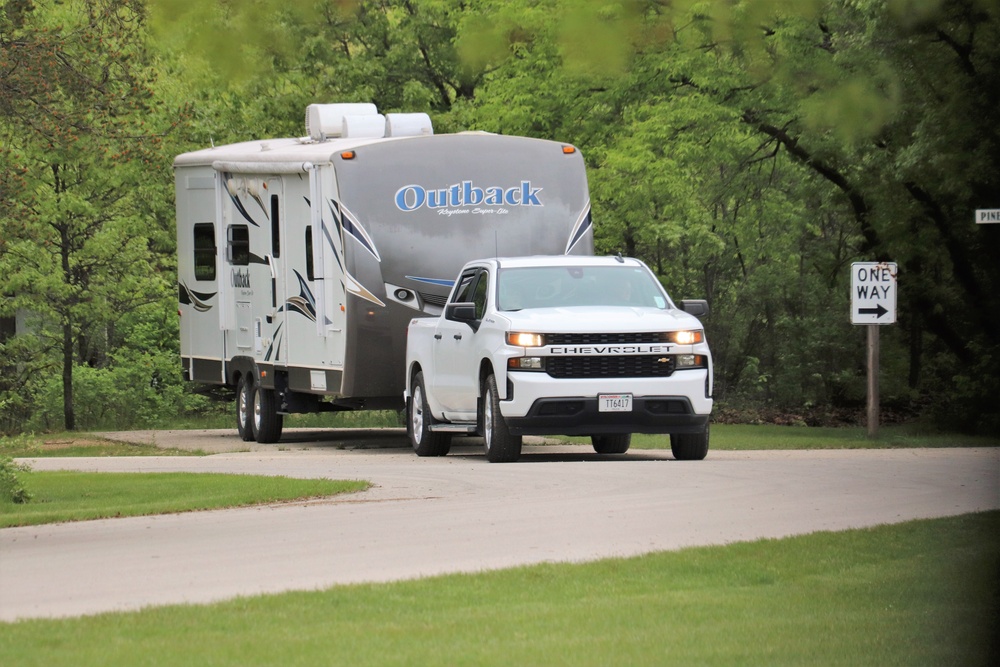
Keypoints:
(501, 446)
(425, 442)
(689, 446)
(611, 444)
(267, 422)
(244, 398)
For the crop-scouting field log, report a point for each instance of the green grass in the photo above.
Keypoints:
(748, 436)
(80, 444)
(920, 593)
(78, 496)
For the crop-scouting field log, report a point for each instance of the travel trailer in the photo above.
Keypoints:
(301, 261)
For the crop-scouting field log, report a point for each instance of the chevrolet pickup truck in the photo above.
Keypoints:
(572, 345)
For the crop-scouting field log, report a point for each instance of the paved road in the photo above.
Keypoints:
(462, 514)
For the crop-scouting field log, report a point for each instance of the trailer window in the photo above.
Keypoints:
(204, 251)
(238, 251)
(310, 273)
(275, 227)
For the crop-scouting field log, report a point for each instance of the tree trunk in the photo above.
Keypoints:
(68, 415)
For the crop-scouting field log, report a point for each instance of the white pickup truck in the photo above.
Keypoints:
(567, 345)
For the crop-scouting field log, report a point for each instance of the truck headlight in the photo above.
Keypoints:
(687, 337)
(522, 339)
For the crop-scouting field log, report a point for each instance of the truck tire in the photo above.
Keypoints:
(267, 422)
(419, 420)
(501, 446)
(244, 409)
(611, 444)
(689, 446)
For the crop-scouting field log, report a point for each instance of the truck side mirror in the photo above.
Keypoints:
(461, 312)
(696, 307)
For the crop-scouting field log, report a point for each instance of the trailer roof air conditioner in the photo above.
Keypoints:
(364, 126)
(327, 120)
(408, 125)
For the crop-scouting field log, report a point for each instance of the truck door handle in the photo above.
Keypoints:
(458, 336)
(437, 336)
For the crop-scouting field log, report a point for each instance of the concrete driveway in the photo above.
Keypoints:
(459, 514)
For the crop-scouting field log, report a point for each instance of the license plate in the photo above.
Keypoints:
(614, 402)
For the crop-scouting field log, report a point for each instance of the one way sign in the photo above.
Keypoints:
(873, 293)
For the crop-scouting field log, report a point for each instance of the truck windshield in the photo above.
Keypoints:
(567, 286)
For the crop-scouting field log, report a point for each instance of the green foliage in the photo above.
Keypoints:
(749, 151)
(12, 489)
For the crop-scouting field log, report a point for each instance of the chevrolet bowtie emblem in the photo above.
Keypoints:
(662, 360)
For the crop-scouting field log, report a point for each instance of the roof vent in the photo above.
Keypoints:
(408, 125)
(327, 120)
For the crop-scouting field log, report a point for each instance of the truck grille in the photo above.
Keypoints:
(640, 366)
(606, 338)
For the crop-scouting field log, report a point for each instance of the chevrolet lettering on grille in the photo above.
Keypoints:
(609, 349)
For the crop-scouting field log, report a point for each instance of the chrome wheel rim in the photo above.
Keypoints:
(488, 419)
(417, 415)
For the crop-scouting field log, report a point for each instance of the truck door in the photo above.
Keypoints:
(455, 374)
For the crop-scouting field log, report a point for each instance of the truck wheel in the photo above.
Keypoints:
(501, 446)
(267, 422)
(244, 391)
(611, 444)
(689, 446)
(425, 442)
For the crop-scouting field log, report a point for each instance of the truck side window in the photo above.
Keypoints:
(479, 294)
(204, 251)
(238, 251)
(463, 291)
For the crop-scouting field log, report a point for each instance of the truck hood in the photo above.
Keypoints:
(594, 319)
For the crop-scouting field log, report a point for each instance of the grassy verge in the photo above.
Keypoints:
(921, 593)
(77, 496)
(748, 436)
(80, 444)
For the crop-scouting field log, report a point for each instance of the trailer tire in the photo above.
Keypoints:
(419, 420)
(267, 422)
(689, 446)
(501, 446)
(244, 409)
(611, 444)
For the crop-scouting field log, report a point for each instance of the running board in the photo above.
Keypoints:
(469, 429)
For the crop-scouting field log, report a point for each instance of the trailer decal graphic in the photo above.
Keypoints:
(349, 223)
(433, 281)
(231, 189)
(357, 289)
(189, 297)
(326, 234)
(271, 349)
(583, 225)
(304, 303)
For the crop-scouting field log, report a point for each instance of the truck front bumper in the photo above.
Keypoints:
(662, 405)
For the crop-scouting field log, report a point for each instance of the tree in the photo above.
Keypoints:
(74, 251)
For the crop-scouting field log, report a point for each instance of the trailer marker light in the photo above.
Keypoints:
(347, 155)
(569, 150)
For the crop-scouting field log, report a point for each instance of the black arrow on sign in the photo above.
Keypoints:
(878, 311)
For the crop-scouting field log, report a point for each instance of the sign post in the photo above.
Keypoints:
(873, 303)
